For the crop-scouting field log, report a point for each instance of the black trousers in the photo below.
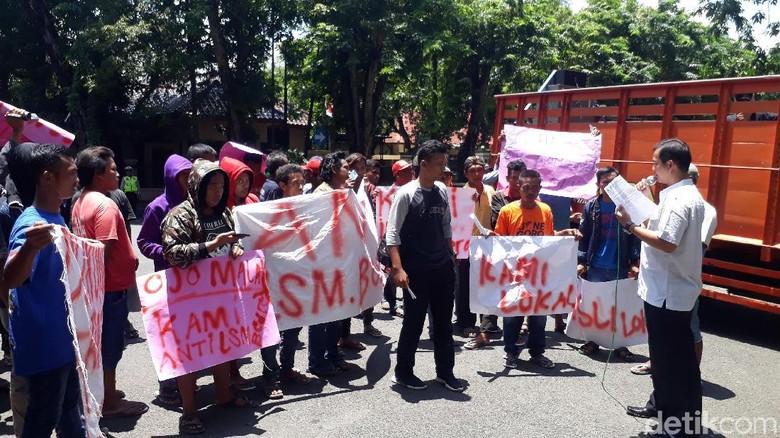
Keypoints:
(676, 375)
(389, 293)
(464, 318)
(133, 198)
(434, 288)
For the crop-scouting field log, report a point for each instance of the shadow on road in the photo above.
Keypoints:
(527, 369)
(435, 391)
(715, 391)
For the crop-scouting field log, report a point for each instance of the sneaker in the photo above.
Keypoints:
(411, 382)
(451, 383)
(511, 361)
(494, 329)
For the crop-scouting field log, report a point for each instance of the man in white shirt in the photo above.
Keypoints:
(670, 283)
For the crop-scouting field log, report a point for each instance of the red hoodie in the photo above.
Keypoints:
(234, 169)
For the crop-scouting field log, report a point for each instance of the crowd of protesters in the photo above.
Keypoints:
(191, 220)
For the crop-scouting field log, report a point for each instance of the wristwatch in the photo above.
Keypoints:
(628, 226)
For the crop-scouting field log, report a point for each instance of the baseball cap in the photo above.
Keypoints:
(314, 165)
(448, 170)
(400, 165)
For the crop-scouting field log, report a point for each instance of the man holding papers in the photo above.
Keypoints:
(669, 283)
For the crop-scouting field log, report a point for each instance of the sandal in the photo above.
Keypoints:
(372, 331)
(588, 348)
(642, 369)
(243, 385)
(510, 361)
(385, 305)
(294, 377)
(542, 361)
(191, 425)
(238, 402)
(624, 354)
(127, 409)
(470, 332)
(351, 344)
(169, 398)
(397, 312)
(273, 391)
(474, 344)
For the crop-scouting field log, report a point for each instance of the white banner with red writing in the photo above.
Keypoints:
(461, 206)
(608, 309)
(84, 280)
(320, 254)
(212, 312)
(523, 275)
(36, 131)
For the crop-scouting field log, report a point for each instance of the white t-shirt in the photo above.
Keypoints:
(709, 225)
(674, 277)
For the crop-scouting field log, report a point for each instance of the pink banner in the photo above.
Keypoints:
(84, 280)
(567, 161)
(39, 131)
(214, 311)
(238, 151)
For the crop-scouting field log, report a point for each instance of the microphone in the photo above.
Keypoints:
(651, 180)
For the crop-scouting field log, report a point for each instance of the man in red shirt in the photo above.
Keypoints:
(95, 216)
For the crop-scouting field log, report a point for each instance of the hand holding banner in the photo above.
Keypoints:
(84, 280)
(38, 131)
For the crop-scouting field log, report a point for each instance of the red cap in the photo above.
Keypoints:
(314, 165)
(400, 165)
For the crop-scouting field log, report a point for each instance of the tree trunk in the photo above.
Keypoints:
(480, 77)
(223, 68)
(370, 102)
(404, 134)
(353, 131)
(38, 13)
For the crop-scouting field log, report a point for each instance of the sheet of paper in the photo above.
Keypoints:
(632, 200)
(482, 230)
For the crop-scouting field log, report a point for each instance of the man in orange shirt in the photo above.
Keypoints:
(95, 216)
(527, 217)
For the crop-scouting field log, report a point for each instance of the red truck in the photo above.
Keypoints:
(732, 128)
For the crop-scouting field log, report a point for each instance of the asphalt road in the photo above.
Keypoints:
(580, 397)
